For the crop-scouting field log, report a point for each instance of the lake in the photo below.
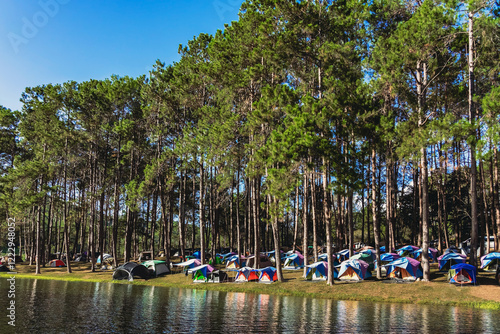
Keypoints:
(78, 307)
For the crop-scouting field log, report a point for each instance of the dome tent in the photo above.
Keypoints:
(354, 270)
(268, 275)
(129, 270)
(447, 260)
(200, 274)
(463, 273)
(490, 261)
(404, 268)
(57, 263)
(294, 261)
(156, 267)
(319, 271)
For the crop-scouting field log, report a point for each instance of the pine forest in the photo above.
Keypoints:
(303, 124)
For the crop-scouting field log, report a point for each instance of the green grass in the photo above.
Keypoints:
(436, 292)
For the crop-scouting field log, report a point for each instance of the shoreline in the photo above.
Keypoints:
(437, 292)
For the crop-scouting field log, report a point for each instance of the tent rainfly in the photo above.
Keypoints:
(247, 274)
(201, 273)
(490, 261)
(294, 261)
(188, 264)
(404, 268)
(233, 262)
(268, 275)
(417, 254)
(319, 271)
(354, 270)
(447, 260)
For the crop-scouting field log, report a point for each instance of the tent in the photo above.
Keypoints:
(324, 257)
(201, 273)
(247, 274)
(406, 250)
(233, 262)
(294, 261)
(156, 267)
(268, 275)
(447, 260)
(57, 263)
(343, 255)
(272, 256)
(389, 257)
(217, 276)
(216, 260)
(319, 271)
(417, 254)
(462, 273)
(105, 257)
(353, 270)
(452, 249)
(405, 268)
(197, 255)
(188, 264)
(130, 270)
(365, 256)
(490, 261)
(226, 256)
(386, 258)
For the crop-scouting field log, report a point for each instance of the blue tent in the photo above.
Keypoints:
(405, 268)
(490, 261)
(268, 275)
(447, 260)
(452, 249)
(382, 249)
(354, 270)
(463, 273)
(406, 250)
(319, 271)
(294, 261)
(389, 257)
(200, 274)
(416, 254)
(343, 255)
(226, 256)
(324, 257)
(197, 255)
(233, 261)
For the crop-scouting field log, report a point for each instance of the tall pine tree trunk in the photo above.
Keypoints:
(328, 223)
(421, 81)
(473, 169)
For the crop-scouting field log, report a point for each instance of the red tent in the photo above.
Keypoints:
(57, 263)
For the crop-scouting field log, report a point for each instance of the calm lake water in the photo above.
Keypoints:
(72, 307)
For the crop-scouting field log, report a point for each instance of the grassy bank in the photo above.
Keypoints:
(437, 292)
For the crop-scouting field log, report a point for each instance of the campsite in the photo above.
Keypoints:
(438, 291)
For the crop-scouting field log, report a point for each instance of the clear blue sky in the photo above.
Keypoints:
(53, 41)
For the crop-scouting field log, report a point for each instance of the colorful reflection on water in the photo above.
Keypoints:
(71, 307)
